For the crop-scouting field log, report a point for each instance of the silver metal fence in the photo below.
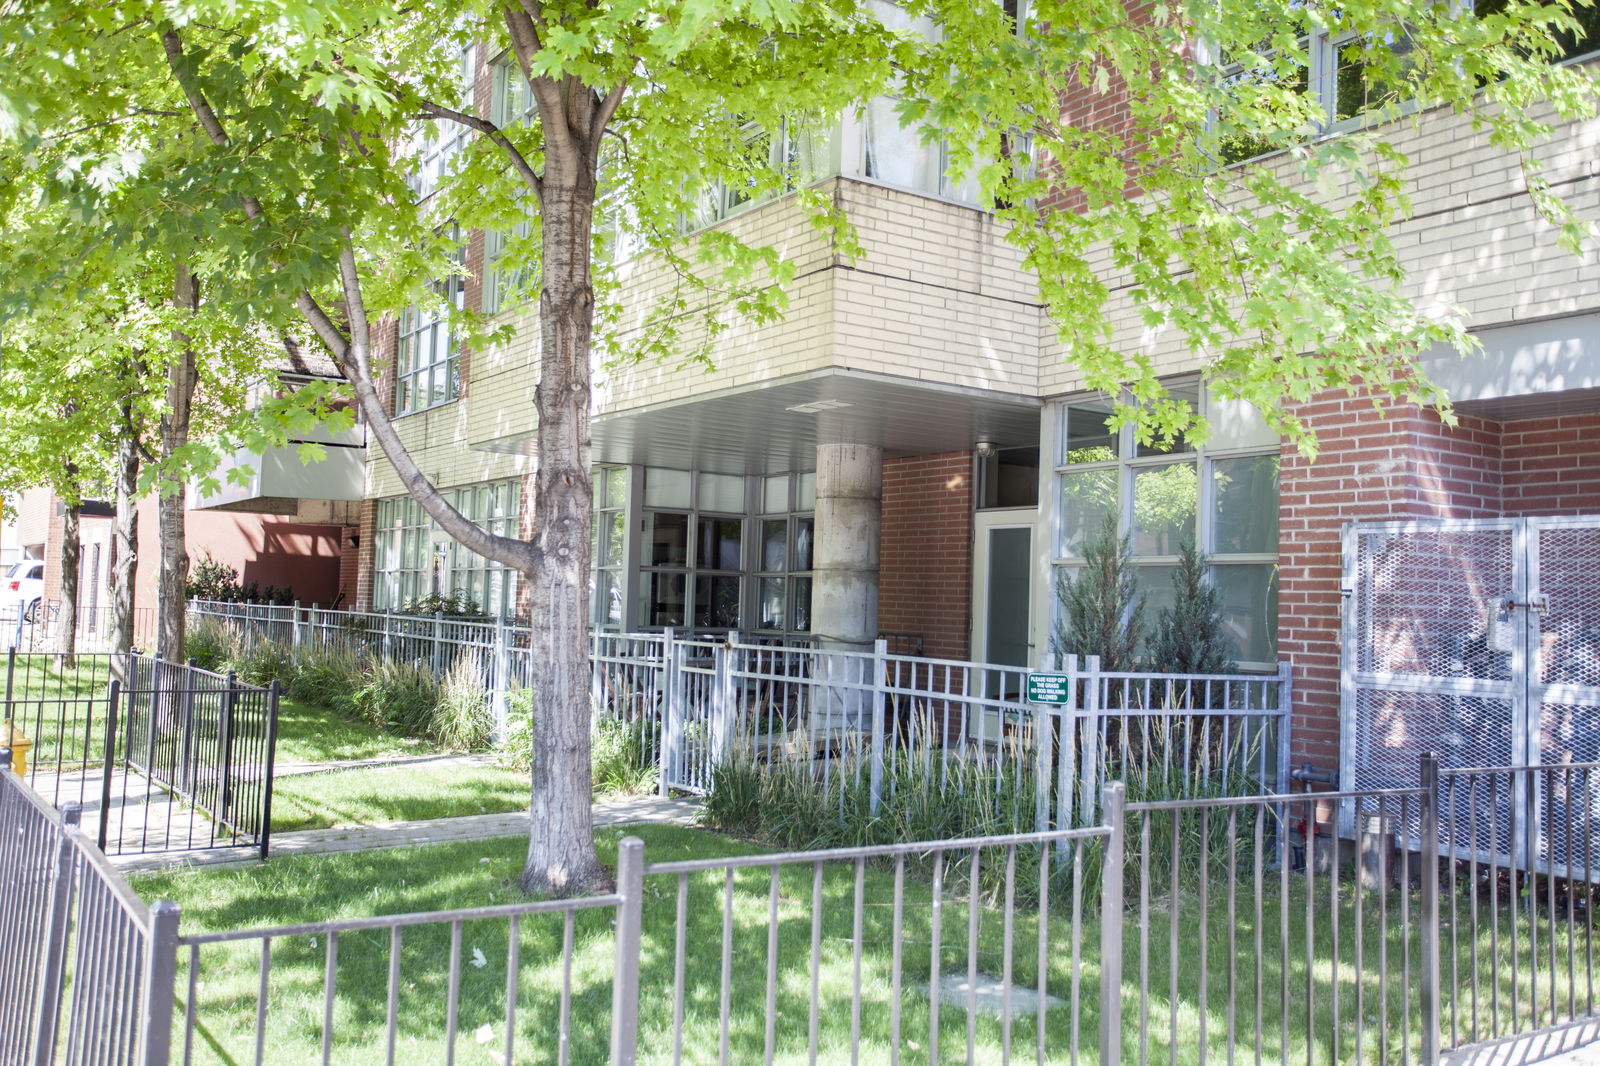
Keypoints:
(41, 629)
(895, 721)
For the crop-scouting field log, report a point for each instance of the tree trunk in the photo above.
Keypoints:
(71, 557)
(125, 535)
(174, 549)
(561, 856)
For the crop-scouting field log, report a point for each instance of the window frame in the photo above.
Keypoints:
(419, 321)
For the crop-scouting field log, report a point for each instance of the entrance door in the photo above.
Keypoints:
(1002, 589)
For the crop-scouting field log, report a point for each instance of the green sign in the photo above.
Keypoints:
(1049, 688)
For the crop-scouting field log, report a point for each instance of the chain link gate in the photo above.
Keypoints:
(1478, 639)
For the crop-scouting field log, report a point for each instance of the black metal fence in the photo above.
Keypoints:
(161, 756)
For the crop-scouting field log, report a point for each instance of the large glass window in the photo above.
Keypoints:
(1222, 497)
(721, 552)
(435, 143)
(414, 558)
(428, 367)
(610, 549)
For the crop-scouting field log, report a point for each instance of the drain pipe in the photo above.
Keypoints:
(1307, 774)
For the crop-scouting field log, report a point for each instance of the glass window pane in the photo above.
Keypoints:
(1089, 439)
(661, 598)
(1189, 394)
(613, 525)
(894, 154)
(608, 599)
(1245, 508)
(769, 611)
(1236, 424)
(1164, 502)
(716, 602)
(800, 604)
(775, 495)
(805, 492)
(721, 492)
(804, 528)
(1086, 498)
(616, 487)
(1249, 599)
(720, 542)
(774, 545)
(669, 539)
(1155, 585)
(666, 488)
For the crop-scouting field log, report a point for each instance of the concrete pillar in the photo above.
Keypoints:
(844, 564)
(844, 591)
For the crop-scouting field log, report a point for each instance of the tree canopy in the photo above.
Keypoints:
(270, 145)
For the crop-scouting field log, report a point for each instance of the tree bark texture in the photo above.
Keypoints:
(125, 534)
(71, 558)
(174, 549)
(561, 856)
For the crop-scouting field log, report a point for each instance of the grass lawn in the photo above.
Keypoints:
(368, 795)
(305, 889)
(308, 733)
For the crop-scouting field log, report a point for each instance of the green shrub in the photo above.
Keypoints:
(516, 747)
(622, 756)
(263, 662)
(456, 605)
(398, 696)
(211, 643)
(460, 718)
(328, 677)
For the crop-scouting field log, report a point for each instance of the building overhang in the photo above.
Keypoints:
(775, 427)
(1534, 369)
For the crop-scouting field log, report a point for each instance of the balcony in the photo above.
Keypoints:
(279, 483)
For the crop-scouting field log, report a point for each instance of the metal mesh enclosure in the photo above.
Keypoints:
(1478, 640)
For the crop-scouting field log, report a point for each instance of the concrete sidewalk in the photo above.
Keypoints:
(622, 811)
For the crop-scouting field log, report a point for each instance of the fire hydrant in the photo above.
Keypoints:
(17, 741)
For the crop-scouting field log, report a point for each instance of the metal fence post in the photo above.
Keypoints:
(666, 680)
(880, 663)
(438, 648)
(225, 747)
(272, 751)
(625, 985)
(1115, 799)
(11, 670)
(722, 702)
(500, 681)
(1089, 738)
(1428, 963)
(161, 970)
(294, 626)
(113, 698)
(1285, 725)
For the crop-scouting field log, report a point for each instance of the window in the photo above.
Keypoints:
(413, 557)
(721, 552)
(609, 553)
(1339, 84)
(435, 142)
(802, 151)
(1578, 43)
(1223, 497)
(513, 97)
(428, 369)
(504, 286)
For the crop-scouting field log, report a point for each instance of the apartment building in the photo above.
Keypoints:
(911, 452)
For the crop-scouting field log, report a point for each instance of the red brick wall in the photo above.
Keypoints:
(366, 551)
(1552, 465)
(1369, 468)
(925, 580)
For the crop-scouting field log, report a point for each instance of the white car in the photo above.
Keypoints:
(23, 590)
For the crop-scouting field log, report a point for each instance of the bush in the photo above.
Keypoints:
(622, 756)
(1101, 607)
(516, 748)
(328, 677)
(1189, 637)
(460, 718)
(457, 605)
(263, 662)
(211, 580)
(398, 696)
(211, 643)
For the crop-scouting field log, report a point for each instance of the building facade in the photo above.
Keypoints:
(911, 452)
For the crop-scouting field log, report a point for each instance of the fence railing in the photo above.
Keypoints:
(1170, 931)
(86, 967)
(42, 630)
(166, 756)
(690, 704)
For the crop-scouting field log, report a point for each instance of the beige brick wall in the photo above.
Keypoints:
(1473, 239)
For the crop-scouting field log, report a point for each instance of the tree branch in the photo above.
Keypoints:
(519, 162)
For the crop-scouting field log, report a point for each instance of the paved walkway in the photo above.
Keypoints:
(625, 810)
(1574, 1044)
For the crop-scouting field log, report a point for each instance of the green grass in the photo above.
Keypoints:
(394, 794)
(483, 873)
(308, 733)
